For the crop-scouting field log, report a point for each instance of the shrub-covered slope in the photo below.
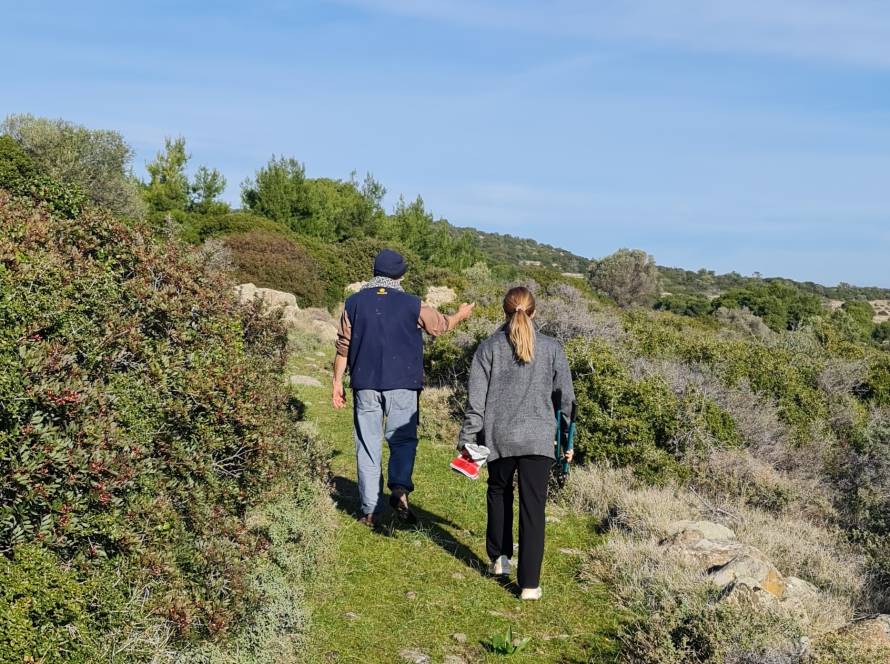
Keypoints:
(141, 419)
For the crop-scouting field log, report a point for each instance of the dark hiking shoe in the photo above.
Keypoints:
(398, 500)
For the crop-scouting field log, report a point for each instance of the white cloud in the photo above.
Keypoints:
(853, 32)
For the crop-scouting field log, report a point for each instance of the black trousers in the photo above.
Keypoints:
(534, 476)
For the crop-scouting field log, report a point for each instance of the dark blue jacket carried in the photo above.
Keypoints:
(386, 348)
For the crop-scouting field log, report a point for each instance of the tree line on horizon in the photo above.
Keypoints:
(320, 213)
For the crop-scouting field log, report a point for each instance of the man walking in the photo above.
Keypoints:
(380, 340)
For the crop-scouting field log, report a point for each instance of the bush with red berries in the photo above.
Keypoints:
(142, 413)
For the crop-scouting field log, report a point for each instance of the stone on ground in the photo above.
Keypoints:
(690, 530)
(414, 656)
(308, 381)
(750, 564)
(705, 553)
(874, 632)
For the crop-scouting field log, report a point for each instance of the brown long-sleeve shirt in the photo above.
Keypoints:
(430, 321)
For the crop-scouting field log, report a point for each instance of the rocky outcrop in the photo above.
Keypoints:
(270, 297)
(742, 571)
(436, 296)
(313, 320)
(319, 322)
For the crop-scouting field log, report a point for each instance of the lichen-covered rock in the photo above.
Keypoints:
(355, 287)
(693, 530)
(746, 591)
(705, 553)
(750, 564)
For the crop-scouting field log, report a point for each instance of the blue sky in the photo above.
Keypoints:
(747, 135)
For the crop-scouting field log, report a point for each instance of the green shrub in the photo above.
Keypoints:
(197, 228)
(858, 315)
(790, 378)
(639, 423)
(95, 162)
(881, 334)
(19, 175)
(629, 276)
(877, 382)
(685, 304)
(781, 305)
(141, 415)
(271, 260)
(45, 609)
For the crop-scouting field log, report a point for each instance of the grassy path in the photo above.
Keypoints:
(401, 588)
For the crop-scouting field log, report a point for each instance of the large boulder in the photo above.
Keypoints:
(317, 322)
(245, 293)
(271, 298)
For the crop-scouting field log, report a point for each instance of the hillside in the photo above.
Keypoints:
(707, 283)
(511, 250)
(176, 487)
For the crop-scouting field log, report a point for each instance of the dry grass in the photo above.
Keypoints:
(676, 614)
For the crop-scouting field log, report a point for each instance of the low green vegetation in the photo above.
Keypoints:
(423, 589)
(163, 494)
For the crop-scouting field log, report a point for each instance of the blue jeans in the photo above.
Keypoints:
(390, 414)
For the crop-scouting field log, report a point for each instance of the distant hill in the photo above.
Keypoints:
(512, 250)
(706, 282)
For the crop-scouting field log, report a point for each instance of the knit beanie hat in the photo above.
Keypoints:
(389, 263)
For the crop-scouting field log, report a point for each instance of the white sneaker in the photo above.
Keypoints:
(531, 593)
(500, 567)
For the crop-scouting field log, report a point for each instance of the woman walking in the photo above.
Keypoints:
(518, 379)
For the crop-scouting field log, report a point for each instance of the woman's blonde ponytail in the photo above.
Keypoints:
(519, 306)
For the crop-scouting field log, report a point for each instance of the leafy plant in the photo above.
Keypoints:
(141, 416)
(505, 644)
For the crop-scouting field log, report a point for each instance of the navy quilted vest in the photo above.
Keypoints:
(386, 348)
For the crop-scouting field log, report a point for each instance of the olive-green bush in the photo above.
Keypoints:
(790, 378)
(197, 228)
(20, 175)
(639, 422)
